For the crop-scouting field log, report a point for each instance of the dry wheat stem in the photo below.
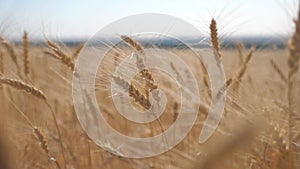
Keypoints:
(293, 64)
(214, 37)
(26, 53)
(242, 70)
(278, 71)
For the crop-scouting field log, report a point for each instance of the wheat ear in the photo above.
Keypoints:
(138, 97)
(145, 73)
(18, 84)
(1, 62)
(59, 54)
(1, 65)
(214, 37)
(26, 53)
(132, 42)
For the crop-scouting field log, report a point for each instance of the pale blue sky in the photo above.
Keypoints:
(83, 18)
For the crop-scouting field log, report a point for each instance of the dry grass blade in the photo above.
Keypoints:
(278, 71)
(26, 53)
(132, 42)
(10, 48)
(214, 37)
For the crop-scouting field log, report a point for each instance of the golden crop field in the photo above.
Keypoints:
(260, 127)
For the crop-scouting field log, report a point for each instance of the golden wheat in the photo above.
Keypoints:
(10, 48)
(18, 84)
(133, 92)
(60, 54)
(26, 53)
(293, 64)
(132, 42)
(214, 37)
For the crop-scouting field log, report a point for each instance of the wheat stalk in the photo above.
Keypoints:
(241, 71)
(39, 135)
(278, 71)
(214, 38)
(18, 84)
(26, 53)
(240, 48)
(293, 64)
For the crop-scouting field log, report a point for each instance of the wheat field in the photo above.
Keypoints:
(259, 129)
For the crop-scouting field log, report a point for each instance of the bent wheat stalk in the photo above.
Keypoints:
(39, 135)
(18, 84)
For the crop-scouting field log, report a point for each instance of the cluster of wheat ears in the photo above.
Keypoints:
(60, 142)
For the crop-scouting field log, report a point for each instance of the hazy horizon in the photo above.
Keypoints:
(82, 19)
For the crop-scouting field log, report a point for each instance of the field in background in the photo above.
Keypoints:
(259, 97)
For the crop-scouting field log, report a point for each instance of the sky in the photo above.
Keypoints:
(83, 18)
